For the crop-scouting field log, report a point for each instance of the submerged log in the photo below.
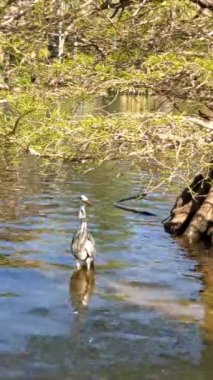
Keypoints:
(192, 213)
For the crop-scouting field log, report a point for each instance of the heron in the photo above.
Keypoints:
(83, 244)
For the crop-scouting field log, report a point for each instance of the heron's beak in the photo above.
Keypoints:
(87, 203)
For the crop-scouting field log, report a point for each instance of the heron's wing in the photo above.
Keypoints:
(78, 242)
(90, 238)
(90, 245)
(83, 245)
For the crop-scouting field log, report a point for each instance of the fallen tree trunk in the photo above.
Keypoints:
(192, 213)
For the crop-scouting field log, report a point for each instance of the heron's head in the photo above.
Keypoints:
(85, 200)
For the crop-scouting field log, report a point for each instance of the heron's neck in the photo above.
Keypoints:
(82, 217)
(83, 225)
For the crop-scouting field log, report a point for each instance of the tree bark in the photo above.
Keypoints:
(192, 213)
(202, 219)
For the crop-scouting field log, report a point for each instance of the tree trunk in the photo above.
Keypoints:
(200, 223)
(61, 36)
(192, 213)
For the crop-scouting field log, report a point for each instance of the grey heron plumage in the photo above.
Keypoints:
(83, 244)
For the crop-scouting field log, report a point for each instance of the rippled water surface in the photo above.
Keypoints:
(144, 313)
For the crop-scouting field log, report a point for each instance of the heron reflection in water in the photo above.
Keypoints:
(83, 244)
(81, 288)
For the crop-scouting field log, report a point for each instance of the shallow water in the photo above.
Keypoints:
(144, 313)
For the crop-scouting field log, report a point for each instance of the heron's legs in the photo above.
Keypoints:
(78, 265)
(88, 262)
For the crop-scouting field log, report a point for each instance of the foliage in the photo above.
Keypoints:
(156, 42)
(51, 50)
(171, 141)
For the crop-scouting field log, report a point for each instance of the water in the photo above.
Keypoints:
(134, 104)
(144, 313)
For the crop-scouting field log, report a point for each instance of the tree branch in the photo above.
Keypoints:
(18, 121)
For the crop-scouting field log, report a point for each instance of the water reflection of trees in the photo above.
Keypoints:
(104, 186)
(19, 181)
(15, 262)
(138, 104)
(31, 187)
(26, 198)
(204, 256)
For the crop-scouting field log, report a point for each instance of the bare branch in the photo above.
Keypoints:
(18, 121)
